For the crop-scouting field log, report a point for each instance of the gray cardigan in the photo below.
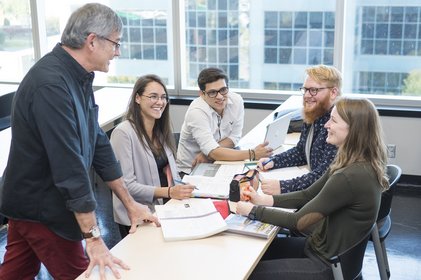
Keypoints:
(140, 172)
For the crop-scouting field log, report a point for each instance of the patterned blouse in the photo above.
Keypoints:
(321, 156)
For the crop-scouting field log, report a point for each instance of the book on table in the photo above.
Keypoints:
(243, 225)
(189, 219)
(213, 180)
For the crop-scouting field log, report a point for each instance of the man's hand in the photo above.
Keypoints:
(200, 158)
(271, 186)
(99, 254)
(265, 167)
(262, 150)
(139, 213)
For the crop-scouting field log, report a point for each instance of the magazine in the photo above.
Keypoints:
(243, 225)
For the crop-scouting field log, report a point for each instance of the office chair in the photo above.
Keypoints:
(384, 222)
(5, 110)
(176, 139)
(348, 264)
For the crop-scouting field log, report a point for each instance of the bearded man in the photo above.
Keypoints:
(320, 89)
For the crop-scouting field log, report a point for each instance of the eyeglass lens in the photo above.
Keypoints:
(214, 93)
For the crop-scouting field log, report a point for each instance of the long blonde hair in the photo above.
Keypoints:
(364, 141)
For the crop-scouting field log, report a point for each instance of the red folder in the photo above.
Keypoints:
(223, 207)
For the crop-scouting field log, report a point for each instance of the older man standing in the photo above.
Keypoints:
(46, 191)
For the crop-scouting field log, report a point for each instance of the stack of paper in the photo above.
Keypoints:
(189, 219)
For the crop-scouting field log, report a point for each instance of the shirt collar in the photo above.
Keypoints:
(76, 70)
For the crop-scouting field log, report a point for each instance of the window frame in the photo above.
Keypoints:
(180, 91)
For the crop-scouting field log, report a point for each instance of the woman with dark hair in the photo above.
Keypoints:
(342, 205)
(144, 145)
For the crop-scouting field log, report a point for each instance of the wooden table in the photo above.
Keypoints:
(222, 256)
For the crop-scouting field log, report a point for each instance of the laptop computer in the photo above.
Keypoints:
(277, 130)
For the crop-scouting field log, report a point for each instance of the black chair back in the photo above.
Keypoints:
(394, 172)
(176, 139)
(351, 260)
(5, 109)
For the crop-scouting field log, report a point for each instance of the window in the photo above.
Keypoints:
(146, 42)
(16, 44)
(263, 45)
(386, 44)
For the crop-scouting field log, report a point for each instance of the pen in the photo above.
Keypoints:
(266, 162)
(182, 183)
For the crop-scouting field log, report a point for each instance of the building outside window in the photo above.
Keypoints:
(263, 45)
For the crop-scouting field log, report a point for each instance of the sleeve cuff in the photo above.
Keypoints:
(84, 204)
(110, 173)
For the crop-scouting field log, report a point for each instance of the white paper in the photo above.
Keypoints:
(284, 173)
(213, 187)
(189, 219)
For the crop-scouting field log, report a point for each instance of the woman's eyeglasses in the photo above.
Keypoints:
(155, 98)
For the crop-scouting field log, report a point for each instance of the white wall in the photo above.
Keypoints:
(405, 133)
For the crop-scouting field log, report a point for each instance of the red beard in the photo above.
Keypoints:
(321, 108)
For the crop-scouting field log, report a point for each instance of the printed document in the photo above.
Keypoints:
(189, 219)
(216, 186)
(285, 173)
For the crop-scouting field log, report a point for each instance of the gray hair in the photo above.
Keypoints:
(90, 18)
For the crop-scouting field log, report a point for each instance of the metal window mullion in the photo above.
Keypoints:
(39, 32)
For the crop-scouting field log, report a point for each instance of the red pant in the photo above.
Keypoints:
(30, 243)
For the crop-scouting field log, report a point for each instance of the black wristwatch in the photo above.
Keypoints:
(252, 214)
(94, 232)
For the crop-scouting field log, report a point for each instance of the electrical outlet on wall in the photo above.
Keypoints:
(391, 150)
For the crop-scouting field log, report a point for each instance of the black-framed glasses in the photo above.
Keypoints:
(116, 44)
(155, 98)
(213, 93)
(312, 90)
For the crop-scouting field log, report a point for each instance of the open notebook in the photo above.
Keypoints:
(213, 180)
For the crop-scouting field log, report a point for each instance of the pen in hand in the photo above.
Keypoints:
(266, 162)
(182, 183)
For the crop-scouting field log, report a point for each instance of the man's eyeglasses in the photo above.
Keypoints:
(213, 93)
(312, 90)
(155, 98)
(116, 44)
